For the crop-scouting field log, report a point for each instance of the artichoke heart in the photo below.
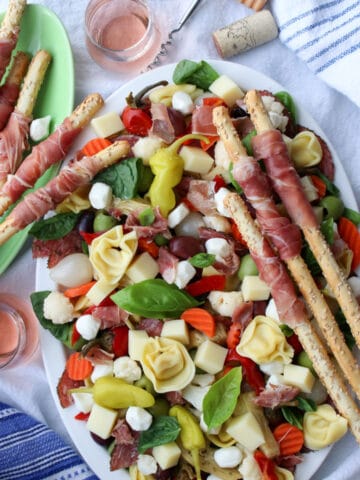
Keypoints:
(167, 364)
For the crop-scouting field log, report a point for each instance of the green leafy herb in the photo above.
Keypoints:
(344, 327)
(327, 229)
(147, 217)
(352, 215)
(164, 429)
(154, 298)
(62, 332)
(202, 260)
(200, 74)
(246, 141)
(306, 404)
(288, 102)
(160, 240)
(220, 401)
(330, 187)
(234, 183)
(286, 330)
(55, 227)
(293, 415)
(127, 178)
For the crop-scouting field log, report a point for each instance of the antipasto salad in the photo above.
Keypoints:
(186, 275)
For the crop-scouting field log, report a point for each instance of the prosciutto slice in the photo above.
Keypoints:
(270, 147)
(9, 93)
(276, 395)
(7, 45)
(284, 235)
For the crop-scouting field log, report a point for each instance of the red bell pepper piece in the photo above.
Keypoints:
(219, 182)
(252, 374)
(75, 336)
(136, 121)
(89, 237)
(82, 416)
(149, 246)
(206, 284)
(266, 465)
(120, 341)
(233, 336)
(107, 302)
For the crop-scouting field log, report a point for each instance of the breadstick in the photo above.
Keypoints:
(37, 203)
(48, 152)
(308, 224)
(294, 261)
(308, 337)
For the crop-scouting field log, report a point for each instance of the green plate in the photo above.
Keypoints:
(42, 29)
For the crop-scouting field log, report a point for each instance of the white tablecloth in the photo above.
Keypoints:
(26, 387)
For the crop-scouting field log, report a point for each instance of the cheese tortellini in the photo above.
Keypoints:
(167, 364)
(164, 94)
(264, 342)
(111, 254)
(283, 474)
(75, 202)
(323, 427)
(305, 149)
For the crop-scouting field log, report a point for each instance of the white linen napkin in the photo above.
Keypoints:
(325, 34)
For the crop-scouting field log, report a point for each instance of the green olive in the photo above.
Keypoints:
(304, 361)
(247, 267)
(333, 207)
(160, 407)
(103, 222)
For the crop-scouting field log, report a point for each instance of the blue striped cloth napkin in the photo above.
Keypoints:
(29, 450)
(326, 35)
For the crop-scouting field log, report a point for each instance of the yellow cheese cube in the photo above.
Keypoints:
(225, 88)
(101, 421)
(210, 357)
(246, 430)
(144, 267)
(298, 376)
(253, 288)
(177, 330)
(107, 124)
(195, 159)
(167, 455)
(210, 270)
(136, 342)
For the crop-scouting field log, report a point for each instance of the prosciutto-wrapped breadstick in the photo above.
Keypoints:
(291, 310)
(14, 137)
(48, 152)
(9, 32)
(286, 237)
(10, 90)
(36, 204)
(270, 147)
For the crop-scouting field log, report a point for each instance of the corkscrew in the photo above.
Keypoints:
(164, 46)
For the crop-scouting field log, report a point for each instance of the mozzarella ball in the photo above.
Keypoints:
(182, 102)
(102, 370)
(138, 418)
(72, 270)
(127, 369)
(88, 326)
(100, 195)
(228, 457)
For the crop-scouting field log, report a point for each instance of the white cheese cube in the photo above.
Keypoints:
(39, 128)
(127, 369)
(83, 401)
(228, 457)
(225, 303)
(107, 124)
(218, 223)
(253, 288)
(144, 267)
(177, 330)
(100, 195)
(136, 342)
(210, 357)
(219, 201)
(145, 148)
(182, 102)
(246, 430)
(138, 418)
(203, 379)
(298, 376)
(102, 370)
(225, 88)
(195, 395)
(218, 247)
(167, 455)
(184, 273)
(88, 326)
(196, 160)
(177, 215)
(222, 158)
(101, 421)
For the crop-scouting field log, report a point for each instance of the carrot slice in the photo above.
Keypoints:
(350, 234)
(78, 367)
(319, 184)
(211, 141)
(289, 438)
(80, 290)
(95, 145)
(200, 319)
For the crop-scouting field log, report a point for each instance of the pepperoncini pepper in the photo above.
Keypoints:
(112, 392)
(191, 435)
(168, 166)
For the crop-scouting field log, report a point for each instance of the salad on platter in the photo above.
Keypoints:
(195, 285)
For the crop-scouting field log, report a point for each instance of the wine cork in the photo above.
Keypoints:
(245, 34)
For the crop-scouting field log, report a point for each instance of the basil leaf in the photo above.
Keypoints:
(54, 227)
(200, 74)
(62, 332)
(164, 429)
(220, 401)
(202, 260)
(246, 141)
(288, 102)
(147, 217)
(352, 215)
(293, 416)
(330, 187)
(286, 330)
(126, 178)
(154, 298)
(306, 404)
(327, 229)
